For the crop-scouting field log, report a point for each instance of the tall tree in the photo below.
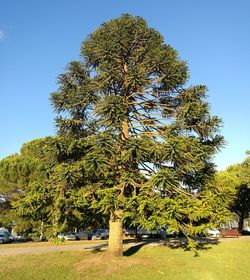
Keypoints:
(149, 141)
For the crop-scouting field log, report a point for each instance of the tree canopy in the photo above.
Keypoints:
(134, 143)
(151, 140)
(238, 183)
(41, 191)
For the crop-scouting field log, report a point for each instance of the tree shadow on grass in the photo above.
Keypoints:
(205, 244)
(96, 250)
(134, 249)
(202, 244)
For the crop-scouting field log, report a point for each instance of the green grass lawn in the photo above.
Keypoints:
(228, 260)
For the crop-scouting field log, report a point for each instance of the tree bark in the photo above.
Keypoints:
(241, 223)
(115, 245)
(41, 231)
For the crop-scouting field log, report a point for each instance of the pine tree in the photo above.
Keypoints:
(44, 188)
(149, 140)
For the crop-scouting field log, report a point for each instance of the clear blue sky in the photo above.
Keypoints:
(39, 37)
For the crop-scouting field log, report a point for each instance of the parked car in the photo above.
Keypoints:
(101, 234)
(67, 236)
(84, 235)
(4, 236)
(136, 232)
(129, 232)
(213, 232)
(143, 233)
(245, 232)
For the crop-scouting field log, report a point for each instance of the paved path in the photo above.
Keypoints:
(81, 247)
(45, 249)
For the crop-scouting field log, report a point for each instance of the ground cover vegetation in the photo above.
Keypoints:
(134, 145)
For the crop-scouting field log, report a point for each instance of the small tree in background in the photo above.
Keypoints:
(241, 205)
(148, 141)
(241, 201)
(15, 174)
(44, 189)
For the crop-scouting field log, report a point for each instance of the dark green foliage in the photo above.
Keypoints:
(151, 150)
(134, 140)
(240, 203)
(75, 97)
(45, 185)
(15, 173)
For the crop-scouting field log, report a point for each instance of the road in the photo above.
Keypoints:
(54, 248)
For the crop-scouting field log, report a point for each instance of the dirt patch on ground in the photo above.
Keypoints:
(102, 264)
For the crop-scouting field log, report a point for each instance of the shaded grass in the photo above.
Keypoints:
(225, 261)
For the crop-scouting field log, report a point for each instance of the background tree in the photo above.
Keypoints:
(241, 202)
(15, 174)
(42, 187)
(241, 205)
(148, 140)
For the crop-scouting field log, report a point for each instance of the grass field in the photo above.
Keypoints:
(230, 259)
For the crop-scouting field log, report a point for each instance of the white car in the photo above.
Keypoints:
(213, 232)
(67, 236)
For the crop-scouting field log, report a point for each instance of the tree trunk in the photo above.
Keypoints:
(241, 223)
(41, 231)
(115, 246)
